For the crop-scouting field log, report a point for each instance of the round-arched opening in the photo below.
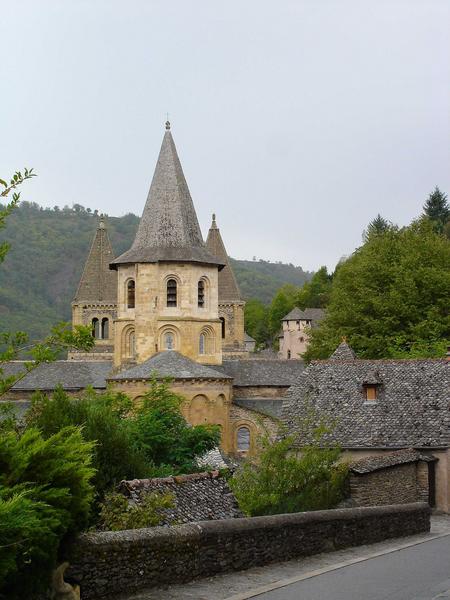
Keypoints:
(131, 293)
(105, 328)
(172, 292)
(243, 439)
(96, 328)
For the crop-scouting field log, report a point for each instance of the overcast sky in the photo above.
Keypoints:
(295, 121)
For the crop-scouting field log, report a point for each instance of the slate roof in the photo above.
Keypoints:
(295, 315)
(250, 372)
(272, 407)
(169, 229)
(369, 464)
(170, 364)
(248, 338)
(412, 408)
(71, 374)
(228, 286)
(309, 314)
(98, 283)
(343, 352)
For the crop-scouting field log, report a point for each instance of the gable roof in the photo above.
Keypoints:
(411, 410)
(170, 363)
(98, 283)
(169, 229)
(369, 464)
(309, 314)
(228, 286)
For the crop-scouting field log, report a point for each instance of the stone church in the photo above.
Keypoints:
(170, 306)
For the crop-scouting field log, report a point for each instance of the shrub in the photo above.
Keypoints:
(45, 496)
(116, 513)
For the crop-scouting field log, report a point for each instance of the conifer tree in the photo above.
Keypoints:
(437, 209)
(377, 226)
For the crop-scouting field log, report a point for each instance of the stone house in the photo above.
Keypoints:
(380, 406)
(294, 336)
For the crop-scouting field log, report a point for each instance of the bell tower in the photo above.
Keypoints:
(167, 282)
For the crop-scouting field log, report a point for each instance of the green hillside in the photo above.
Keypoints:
(49, 247)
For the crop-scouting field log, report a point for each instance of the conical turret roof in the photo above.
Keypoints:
(98, 283)
(343, 352)
(169, 229)
(228, 286)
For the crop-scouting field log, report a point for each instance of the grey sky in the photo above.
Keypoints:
(295, 121)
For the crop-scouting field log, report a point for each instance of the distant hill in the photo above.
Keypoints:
(49, 247)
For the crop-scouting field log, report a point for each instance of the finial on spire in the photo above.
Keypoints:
(214, 224)
(167, 122)
(101, 224)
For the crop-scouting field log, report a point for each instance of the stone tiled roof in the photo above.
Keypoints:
(411, 410)
(169, 229)
(197, 497)
(250, 372)
(272, 407)
(228, 286)
(386, 460)
(98, 283)
(309, 314)
(71, 374)
(171, 364)
(248, 338)
(295, 315)
(343, 352)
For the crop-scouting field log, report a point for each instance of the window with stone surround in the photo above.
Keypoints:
(105, 328)
(222, 320)
(243, 439)
(201, 294)
(131, 292)
(370, 393)
(169, 342)
(202, 344)
(96, 328)
(172, 292)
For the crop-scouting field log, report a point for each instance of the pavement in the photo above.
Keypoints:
(410, 568)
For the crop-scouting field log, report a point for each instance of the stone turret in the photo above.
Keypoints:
(167, 280)
(231, 305)
(95, 301)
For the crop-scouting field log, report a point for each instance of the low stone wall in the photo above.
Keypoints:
(113, 562)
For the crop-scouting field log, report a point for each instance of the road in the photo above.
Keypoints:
(421, 572)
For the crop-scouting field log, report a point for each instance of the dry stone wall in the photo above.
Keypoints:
(126, 561)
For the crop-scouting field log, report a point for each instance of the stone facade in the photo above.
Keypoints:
(197, 497)
(296, 327)
(109, 563)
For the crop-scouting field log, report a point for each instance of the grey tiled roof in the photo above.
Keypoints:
(98, 283)
(71, 374)
(252, 372)
(228, 286)
(309, 314)
(343, 352)
(369, 464)
(267, 406)
(169, 229)
(248, 338)
(170, 364)
(295, 315)
(412, 408)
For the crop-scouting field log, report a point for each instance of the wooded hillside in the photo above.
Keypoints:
(49, 247)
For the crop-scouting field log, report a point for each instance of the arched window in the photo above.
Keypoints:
(131, 344)
(222, 319)
(105, 328)
(172, 292)
(289, 354)
(202, 344)
(243, 439)
(131, 289)
(96, 328)
(201, 293)
(169, 342)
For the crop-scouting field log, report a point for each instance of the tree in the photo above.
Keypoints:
(390, 298)
(278, 480)
(256, 320)
(377, 226)
(315, 293)
(282, 303)
(437, 209)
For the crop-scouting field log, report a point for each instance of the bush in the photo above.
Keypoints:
(116, 513)
(45, 497)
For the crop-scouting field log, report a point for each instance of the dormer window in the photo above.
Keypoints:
(370, 392)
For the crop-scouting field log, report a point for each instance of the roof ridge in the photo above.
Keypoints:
(228, 286)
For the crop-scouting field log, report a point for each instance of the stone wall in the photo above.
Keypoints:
(396, 485)
(114, 562)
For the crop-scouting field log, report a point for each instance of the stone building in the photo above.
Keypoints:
(296, 326)
(380, 406)
(169, 306)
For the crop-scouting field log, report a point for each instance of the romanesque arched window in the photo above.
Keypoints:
(105, 328)
(243, 439)
(202, 344)
(172, 292)
(222, 319)
(96, 328)
(201, 293)
(169, 341)
(131, 293)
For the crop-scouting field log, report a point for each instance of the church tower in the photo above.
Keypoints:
(231, 305)
(95, 301)
(168, 281)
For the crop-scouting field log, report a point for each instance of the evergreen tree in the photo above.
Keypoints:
(315, 293)
(437, 209)
(377, 226)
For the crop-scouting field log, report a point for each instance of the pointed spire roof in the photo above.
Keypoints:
(98, 283)
(228, 287)
(343, 352)
(169, 229)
